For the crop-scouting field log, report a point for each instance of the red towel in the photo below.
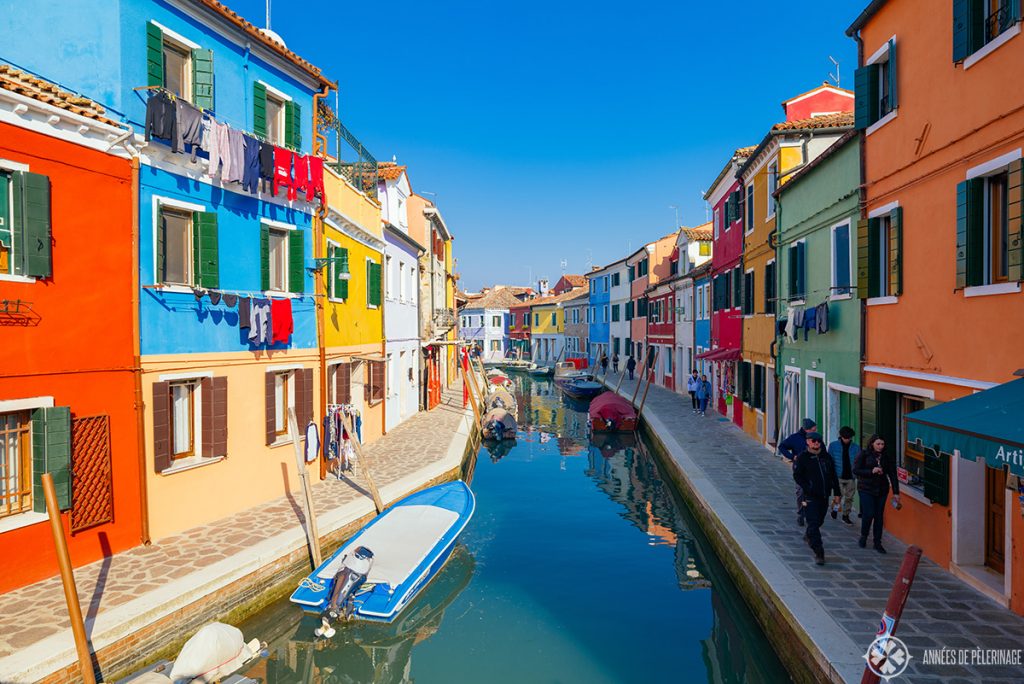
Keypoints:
(281, 320)
(283, 171)
(301, 172)
(315, 186)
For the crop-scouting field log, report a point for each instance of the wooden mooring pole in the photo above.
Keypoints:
(643, 369)
(878, 655)
(67, 578)
(312, 535)
(654, 372)
(473, 401)
(364, 464)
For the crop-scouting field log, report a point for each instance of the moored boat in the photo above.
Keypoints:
(534, 369)
(567, 371)
(579, 388)
(612, 413)
(384, 565)
(499, 423)
(501, 398)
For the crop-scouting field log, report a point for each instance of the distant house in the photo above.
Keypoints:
(485, 321)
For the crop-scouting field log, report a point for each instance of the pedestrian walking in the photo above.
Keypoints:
(631, 366)
(844, 452)
(703, 393)
(604, 363)
(815, 475)
(789, 448)
(692, 383)
(615, 362)
(875, 469)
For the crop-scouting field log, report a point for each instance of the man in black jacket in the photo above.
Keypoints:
(815, 474)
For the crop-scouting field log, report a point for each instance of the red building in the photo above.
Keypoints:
(727, 201)
(68, 322)
(661, 328)
(519, 329)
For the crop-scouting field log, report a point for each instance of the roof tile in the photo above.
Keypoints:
(28, 85)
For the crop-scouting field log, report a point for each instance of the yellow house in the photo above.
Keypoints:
(353, 315)
(547, 326)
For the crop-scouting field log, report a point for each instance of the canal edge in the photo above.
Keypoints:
(782, 605)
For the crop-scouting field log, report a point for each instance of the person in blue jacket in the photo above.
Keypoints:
(844, 452)
(790, 447)
(703, 394)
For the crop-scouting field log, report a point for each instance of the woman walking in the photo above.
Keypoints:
(703, 393)
(875, 469)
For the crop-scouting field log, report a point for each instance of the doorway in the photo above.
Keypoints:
(995, 519)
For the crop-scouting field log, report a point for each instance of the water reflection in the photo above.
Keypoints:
(360, 652)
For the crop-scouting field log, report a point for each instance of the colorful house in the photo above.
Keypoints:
(519, 329)
(599, 315)
(576, 311)
(725, 196)
(547, 327)
(67, 403)
(694, 247)
(788, 147)
(818, 364)
(619, 325)
(701, 316)
(648, 265)
(661, 328)
(940, 272)
(485, 323)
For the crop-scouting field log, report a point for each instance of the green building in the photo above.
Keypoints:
(818, 362)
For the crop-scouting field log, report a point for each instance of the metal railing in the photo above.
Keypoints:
(998, 21)
(444, 318)
(354, 161)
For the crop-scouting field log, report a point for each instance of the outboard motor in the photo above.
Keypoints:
(354, 570)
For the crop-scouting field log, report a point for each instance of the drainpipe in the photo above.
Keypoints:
(383, 348)
(320, 288)
(140, 405)
(862, 191)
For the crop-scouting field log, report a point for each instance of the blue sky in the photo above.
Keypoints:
(563, 131)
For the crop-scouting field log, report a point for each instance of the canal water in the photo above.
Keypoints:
(580, 565)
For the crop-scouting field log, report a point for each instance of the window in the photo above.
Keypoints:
(177, 230)
(704, 248)
(575, 316)
(796, 271)
(183, 419)
(338, 272)
(632, 273)
(717, 222)
(276, 117)
(749, 208)
(760, 386)
(841, 260)
(284, 399)
(495, 347)
(673, 267)
(746, 393)
(748, 293)
(615, 279)
(389, 270)
(554, 320)
(773, 182)
(987, 252)
(875, 87)
(373, 391)
(629, 310)
(177, 70)
(536, 319)
(275, 120)
(879, 267)
(496, 321)
(605, 314)
(769, 288)
(373, 284)
(737, 284)
(181, 69)
(15, 464)
(282, 259)
(642, 268)
(976, 23)
(604, 282)
(279, 260)
(402, 213)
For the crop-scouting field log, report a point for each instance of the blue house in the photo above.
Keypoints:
(599, 318)
(211, 249)
(702, 315)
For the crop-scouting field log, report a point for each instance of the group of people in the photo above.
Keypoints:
(699, 389)
(838, 471)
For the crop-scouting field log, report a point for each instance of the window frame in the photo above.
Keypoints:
(174, 44)
(282, 234)
(159, 203)
(284, 399)
(277, 123)
(748, 209)
(772, 170)
(834, 288)
(23, 435)
(195, 427)
(748, 293)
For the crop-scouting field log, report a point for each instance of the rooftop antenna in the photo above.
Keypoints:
(707, 207)
(590, 260)
(834, 77)
(268, 15)
(672, 206)
(563, 264)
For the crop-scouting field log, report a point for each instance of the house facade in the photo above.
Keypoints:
(599, 284)
(942, 265)
(701, 317)
(577, 311)
(661, 330)
(485, 322)
(401, 324)
(63, 394)
(619, 324)
(519, 327)
(694, 247)
(818, 363)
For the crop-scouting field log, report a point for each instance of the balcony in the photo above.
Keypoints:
(444, 318)
(361, 170)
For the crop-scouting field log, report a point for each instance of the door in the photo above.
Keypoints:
(995, 519)
(771, 395)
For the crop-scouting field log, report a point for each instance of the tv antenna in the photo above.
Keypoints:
(563, 264)
(835, 76)
(676, 208)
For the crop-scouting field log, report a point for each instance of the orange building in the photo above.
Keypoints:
(67, 327)
(940, 271)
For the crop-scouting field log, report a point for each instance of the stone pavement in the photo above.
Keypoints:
(850, 591)
(421, 448)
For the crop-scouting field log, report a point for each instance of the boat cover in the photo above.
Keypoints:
(502, 398)
(502, 416)
(400, 541)
(611, 406)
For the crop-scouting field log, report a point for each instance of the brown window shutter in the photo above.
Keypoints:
(161, 426)
(304, 398)
(309, 397)
(343, 383)
(206, 397)
(220, 416)
(376, 381)
(271, 418)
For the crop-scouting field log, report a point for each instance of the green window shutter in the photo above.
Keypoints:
(737, 288)
(292, 125)
(892, 67)
(204, 249)
(865, 86)
(259, 110)
(32, 225)
(332, 284)
(154, 55)
(342, 267)
(1015, 237)
(887, 416)
(296, 261)
(264, 257)
(896, 252)
(373, 283)
(961, 31)
(874, 278)
(161, 240)
(936, 476)
(863, 258)
(51, 453)
(202, 78)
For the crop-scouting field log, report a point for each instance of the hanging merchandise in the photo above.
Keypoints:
(266, 166)
(259, 322)
(312, 442)
(161, 117)
(338, 448)
(251, 164)
(281, 317)
(190, 127)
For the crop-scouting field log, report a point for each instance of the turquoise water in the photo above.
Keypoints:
(580, 565)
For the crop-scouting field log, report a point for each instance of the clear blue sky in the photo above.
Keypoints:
(553, 131)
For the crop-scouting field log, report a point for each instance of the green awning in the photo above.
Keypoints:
(987, 425)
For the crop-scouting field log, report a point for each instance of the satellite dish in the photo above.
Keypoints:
(272, 35)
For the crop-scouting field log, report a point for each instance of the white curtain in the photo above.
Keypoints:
(182, 408)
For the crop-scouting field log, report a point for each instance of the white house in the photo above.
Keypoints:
(618, 296)
(696, 245)
(484, 322)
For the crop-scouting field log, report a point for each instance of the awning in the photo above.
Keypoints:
(985, 425)
(720, 355)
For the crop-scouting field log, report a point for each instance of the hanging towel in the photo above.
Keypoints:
(161, 117)
(214, 297)
(810, 321)
(259, 322)
(283, 171)
(301, 173)
(822, 318)
(312, 442)
(315, 186)
(251, 168)
(281, 320)
(791, 322)
(219, 149)
(266, 165)
(243, 312)
(190, 127)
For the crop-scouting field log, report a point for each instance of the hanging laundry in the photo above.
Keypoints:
(283, 171)
(161, 117)
(230, 300)
(243, 312)
(260, 322)
(198, 293)
(214, 297)
(251, 170)
(822, 318)
(236, 152)
(798, 321)
(281, 317)
(810, 321)
(312, 442)
(315, 186)
(301, 172)
(190, 127)
(218, 147)
(205, 136)
(266, 166)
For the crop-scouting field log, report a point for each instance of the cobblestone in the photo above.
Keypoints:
(37, 611)
(941, 610)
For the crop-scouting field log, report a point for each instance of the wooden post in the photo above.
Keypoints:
(67, 577)
(657, 353)
(471, 374)
(312, 536)
(472, 398)
(377, 501)
(893, 611)
(622, 374)
(642, 366)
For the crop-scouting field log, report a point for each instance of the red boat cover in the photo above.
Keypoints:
(498, 380)
(610, 406)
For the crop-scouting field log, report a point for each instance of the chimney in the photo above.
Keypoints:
(542, 287)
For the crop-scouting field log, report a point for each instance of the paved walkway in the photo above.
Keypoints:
(851, 589)
(412, 452)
